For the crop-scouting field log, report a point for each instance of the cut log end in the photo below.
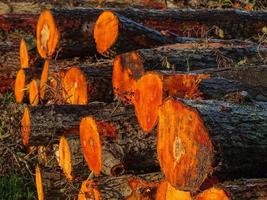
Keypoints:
(44, 79)
(165, 191)
(88, 190)
(23, 54)
(90, 141)
(106, 31)
(25, 126)
(65, 160)
(47, 34)
(183, 145)
(74, 87)
(20, 86)
(183, 85)
(213, 194)
(39, 183)
(147, 99)
(127, 69)
(33, 92)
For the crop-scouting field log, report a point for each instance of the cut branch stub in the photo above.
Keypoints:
(65, 160)
(44, 79)
(74, 87)
(183, 145)
(127, 69)
(147, 99)
(106, 31)
(165, 192)
(91, 144)
(39, 183)
(20, 84)
(213, 194)
(33, 92)
(23, 55)
(47, 34)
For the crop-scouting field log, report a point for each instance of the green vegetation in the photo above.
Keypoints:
(13, 187)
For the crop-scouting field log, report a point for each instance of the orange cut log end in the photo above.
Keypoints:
(65, 160)
(147, 99)
(39, 183)
(88, 190)
(166, 192)
(23, 55)
(74, 87)
(106, 31)
(20, 86)
(33, 93)
(90, 141)
(213, 194)
(183, 145)
(25, 126)
(127, 69)
(47, 34)
(44, 79)
(183, 85)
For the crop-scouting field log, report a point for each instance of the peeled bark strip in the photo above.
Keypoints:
(111, 140)
(244, 189)
(115, 34)
(43, 124)
(228, 141)
(121, 187)
(129, 67)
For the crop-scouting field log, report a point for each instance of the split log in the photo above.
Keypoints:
(244, 189)
(121, 187)
(228, 141)
(129, 67)
(43, 124)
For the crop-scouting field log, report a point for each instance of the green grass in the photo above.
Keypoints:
(13, 187)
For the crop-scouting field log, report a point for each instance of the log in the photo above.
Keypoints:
(51, 184)
(121, 187)
(192, 23)
(123, 142)
(43, 124)
(244, 189)
(115, 34)
(153, 87)
(224, 140)
(129, 67)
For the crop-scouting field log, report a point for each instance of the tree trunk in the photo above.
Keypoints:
(228, 141)
(123, 187)
(244, 189)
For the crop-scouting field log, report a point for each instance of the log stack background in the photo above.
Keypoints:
(138, 103)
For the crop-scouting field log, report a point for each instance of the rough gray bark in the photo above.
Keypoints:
(246, 189)
(239, 137)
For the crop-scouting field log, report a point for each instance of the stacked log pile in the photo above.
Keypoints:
(125, 104)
